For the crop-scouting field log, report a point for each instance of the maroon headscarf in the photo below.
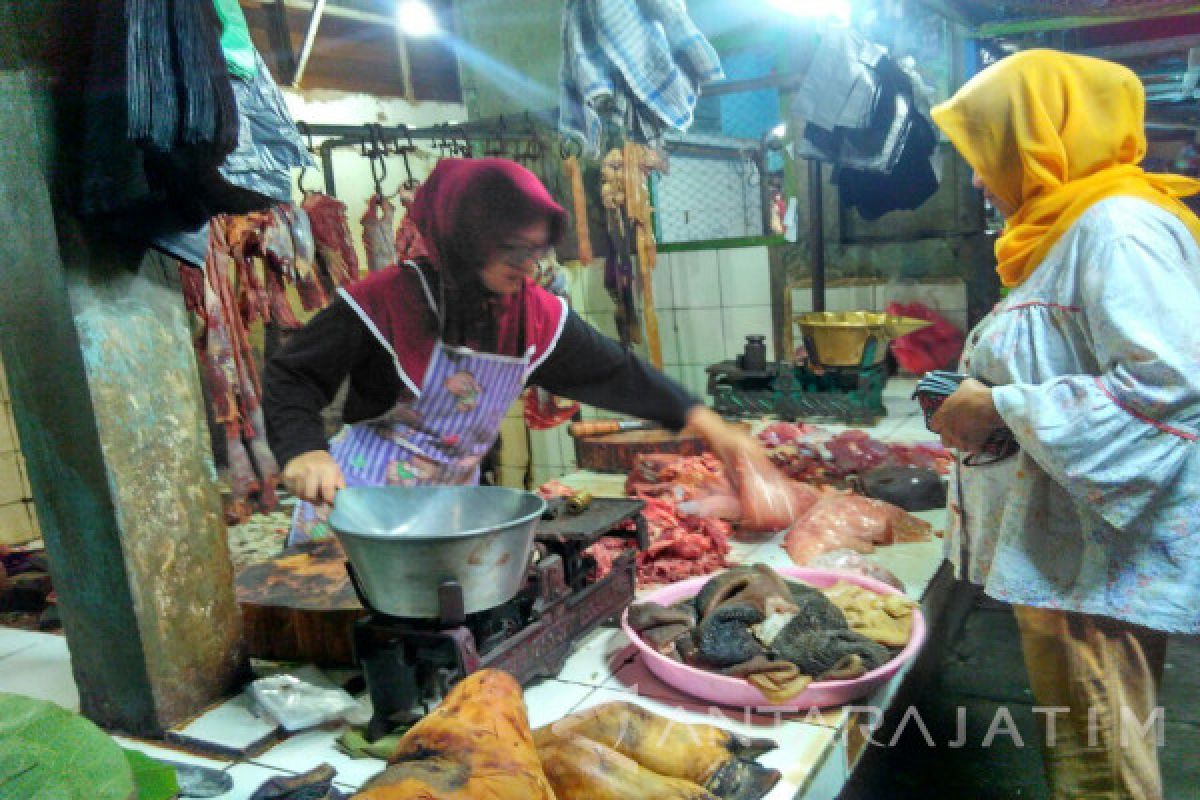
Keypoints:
(465, 209)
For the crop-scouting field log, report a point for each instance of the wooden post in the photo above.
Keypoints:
(107, 402)
(637, 199)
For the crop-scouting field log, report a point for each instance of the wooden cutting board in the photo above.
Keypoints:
(616, 452)
(300, 606)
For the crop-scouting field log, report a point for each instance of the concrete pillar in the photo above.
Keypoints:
(108, 406)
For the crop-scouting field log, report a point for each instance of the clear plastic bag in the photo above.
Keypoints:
(847, 560)
(296, 704)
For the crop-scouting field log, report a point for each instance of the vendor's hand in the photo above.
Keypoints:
(729, 443)
(967, 417)
(314, 477)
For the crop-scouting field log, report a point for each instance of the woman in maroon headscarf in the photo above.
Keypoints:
(437, 350)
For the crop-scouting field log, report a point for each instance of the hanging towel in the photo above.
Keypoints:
(641, 64)
(840, 85)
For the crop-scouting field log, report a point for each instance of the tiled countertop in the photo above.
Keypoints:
(814, 756)
(817, 751)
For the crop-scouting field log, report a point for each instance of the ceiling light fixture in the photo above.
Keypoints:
(416, 18)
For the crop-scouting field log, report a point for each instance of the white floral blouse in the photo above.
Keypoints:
(1096, 364)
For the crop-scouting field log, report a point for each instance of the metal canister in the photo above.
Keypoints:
(579, 502)
(754, 356)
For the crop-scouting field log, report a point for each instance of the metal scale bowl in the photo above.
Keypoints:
(457, 579)
(841, 379)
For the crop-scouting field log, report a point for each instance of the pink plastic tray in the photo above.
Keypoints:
(728, 691)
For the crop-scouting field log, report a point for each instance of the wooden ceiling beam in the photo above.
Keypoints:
(331, 10)
(1018, 27)
(1135, 50)
(310, 38)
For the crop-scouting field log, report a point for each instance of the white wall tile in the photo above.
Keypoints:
(850, 298)
(566, 447)
(695, 379)
(956, 316)
(801, 300)
(745, 276)
(938, 296)
(542, 474)
(544, 450)
(701, 336)
(696, 278)
(741, 322)
(577, 286)
(598, 299)
(512, 477)
(604, 322)
(514, 442)
(668, 337)
(664, 282)
(948, 296)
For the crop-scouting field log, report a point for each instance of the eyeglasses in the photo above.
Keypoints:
(517, 255)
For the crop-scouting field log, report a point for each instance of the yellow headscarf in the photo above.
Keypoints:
(1051, 134)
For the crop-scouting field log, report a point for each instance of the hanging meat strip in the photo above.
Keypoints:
(243, 241)
(279, 253)
(378, 223)
(336, 256)
(408, 238)
(304, 264)
(223, 346)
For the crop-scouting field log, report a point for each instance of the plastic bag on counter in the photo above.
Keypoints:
(847, 560)
(297, 704)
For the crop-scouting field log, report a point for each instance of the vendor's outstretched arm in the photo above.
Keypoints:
(591, 368)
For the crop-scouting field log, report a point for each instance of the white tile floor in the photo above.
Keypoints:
(37, 665)
(811, 757)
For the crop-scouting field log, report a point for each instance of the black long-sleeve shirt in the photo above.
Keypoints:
(304, 376)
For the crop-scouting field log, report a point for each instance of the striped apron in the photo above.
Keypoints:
(441, 438)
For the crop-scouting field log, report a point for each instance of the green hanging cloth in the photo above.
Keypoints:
(235, 40)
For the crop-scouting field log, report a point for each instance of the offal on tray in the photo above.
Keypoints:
(779, 634)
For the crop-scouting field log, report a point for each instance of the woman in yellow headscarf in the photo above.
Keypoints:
(1093, 362)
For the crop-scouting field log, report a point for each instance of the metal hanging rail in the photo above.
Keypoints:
(397, 139)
